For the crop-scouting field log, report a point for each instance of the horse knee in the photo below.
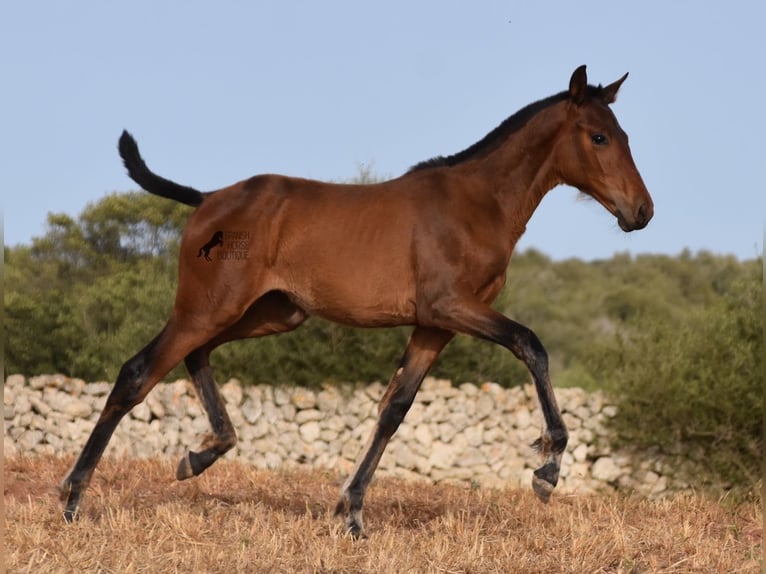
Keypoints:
(130, 387)
(392, 415)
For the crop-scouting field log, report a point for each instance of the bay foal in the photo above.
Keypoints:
(428, 249)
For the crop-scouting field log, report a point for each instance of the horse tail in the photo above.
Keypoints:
(151, 182)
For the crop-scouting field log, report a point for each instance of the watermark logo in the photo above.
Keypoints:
(228, 246)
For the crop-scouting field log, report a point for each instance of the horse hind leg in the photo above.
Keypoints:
(223, 437)
(422, 350)
(272, 313)
(136, 378)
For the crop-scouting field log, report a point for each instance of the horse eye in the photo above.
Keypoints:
(599, 139)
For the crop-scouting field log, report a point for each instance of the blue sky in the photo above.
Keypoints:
(216, 92)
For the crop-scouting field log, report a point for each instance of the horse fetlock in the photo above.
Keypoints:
(552, 442)
(350, 508)
(220, 443)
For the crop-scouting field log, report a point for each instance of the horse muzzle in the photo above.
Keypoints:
(637, 220)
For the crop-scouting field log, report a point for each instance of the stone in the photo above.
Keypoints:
(251, 410)
(404, 456)
(37, 422)
(39, 383)
(605, 469)
(351, 449)
(494, 434)
(335, 423)
(232, 393)
(375, 390)
(22, 404)
(445, 432)
(474, 435)
(442, 455)
(521, 418)
(307, 415)
(156, 407)
(8, 412)
(485, 405)
(328, 400)
(15, 381)
(288, 411)
(580, 453)
(571, 399)
(470, 458)
(423, 435)
(99, 389)
(363, 429)
(77, 408)
(660, 486)
(327, 435)
(9, 395)
(303, 399)
(29, 440)
(571, 421)
(281, 396)
(141, 412)
(436, 411)
(310, 431)
(492, 388)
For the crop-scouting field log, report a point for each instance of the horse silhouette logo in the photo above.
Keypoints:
(215, 241)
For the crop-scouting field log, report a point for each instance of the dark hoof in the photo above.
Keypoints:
(195, 463)
(542, 488)
(354, 529)
(544, 480)
(70, 500)
(184, 468)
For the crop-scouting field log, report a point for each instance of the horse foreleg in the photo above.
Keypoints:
(422, 350)
(467, 315)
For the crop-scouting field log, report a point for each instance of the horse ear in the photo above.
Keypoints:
(578, 85)
(609, 93)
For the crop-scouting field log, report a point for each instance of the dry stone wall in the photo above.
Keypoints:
(477, 434)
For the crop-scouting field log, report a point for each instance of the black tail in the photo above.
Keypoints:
(152, 182)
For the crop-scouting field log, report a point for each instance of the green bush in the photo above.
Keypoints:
(695, 386)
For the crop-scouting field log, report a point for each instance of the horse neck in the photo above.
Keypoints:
(522, 169)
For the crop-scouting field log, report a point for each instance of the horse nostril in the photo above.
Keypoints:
(643, 215)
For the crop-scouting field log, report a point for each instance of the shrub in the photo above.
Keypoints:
(695, 386)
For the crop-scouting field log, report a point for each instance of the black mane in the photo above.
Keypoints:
(501, 132)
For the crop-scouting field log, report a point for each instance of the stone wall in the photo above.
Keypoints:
(477, 434)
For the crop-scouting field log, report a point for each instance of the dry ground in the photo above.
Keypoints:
(136, 518)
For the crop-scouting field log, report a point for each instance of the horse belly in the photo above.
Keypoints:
(370, 296)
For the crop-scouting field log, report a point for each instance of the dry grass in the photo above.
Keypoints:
(136, 518)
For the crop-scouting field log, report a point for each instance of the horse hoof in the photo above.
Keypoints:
(353, 524)
(542, 488)
(354, 529)
(184, 469)
(69, 516)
